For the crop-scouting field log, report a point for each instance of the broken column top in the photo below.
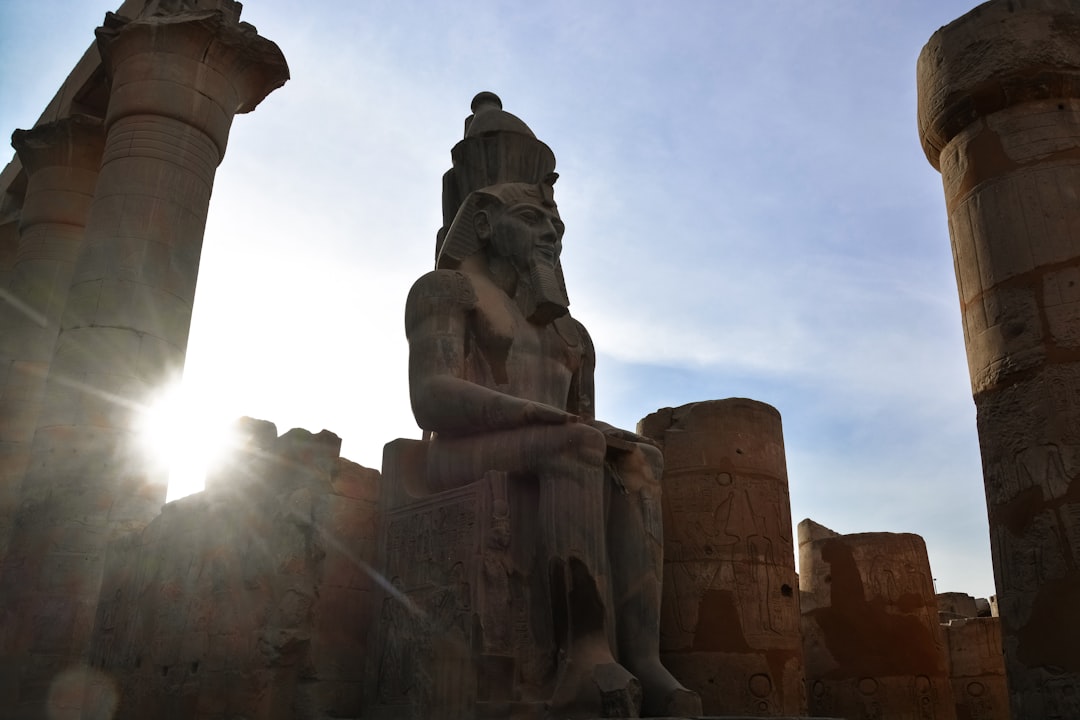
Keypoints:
(1000, 54)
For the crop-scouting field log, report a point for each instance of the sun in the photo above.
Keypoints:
(185, 434)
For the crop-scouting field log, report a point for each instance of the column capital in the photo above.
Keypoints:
(76, 141)
(61, 160)
(198, 67)
(1002, 53)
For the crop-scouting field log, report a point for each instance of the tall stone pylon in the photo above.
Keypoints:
(999, 117)
(178, 76)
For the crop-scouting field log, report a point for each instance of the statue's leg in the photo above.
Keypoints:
(568, 461)
(572, 518)
(636, 550)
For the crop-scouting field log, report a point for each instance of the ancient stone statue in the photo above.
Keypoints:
(501, 376)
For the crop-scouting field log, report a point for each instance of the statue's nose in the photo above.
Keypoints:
(548, 233)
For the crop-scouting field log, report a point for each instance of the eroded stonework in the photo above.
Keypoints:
(873, 644)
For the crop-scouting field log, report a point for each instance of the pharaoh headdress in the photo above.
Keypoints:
(498, 148)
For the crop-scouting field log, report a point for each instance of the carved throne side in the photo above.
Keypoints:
(455, 632)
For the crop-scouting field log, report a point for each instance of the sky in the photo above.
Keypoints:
(749, 213)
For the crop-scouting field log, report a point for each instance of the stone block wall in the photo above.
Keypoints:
(250, 599)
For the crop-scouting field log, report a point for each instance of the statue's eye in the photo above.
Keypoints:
(529, 216)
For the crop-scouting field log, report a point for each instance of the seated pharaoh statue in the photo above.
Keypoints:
(501, 380)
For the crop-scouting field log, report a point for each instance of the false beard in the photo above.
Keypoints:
(543, 298)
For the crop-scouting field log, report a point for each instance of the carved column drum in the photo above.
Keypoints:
(730, 614)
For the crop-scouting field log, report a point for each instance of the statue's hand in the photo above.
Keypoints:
(537, 413)
(623, 435)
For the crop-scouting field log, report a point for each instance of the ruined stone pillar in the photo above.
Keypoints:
(730, 615)
(61, 161)
(999, 116)
(176, 82)
(871, 637)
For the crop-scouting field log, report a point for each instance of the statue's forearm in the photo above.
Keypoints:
(454, 406)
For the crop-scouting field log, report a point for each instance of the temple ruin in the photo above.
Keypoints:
(523, 559)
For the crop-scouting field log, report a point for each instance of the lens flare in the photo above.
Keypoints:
(182, 433)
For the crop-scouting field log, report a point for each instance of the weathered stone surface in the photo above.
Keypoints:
(999, 108)
(730, 621)
(977, 668)
(245, 602)
(531, 555)
(873, 645)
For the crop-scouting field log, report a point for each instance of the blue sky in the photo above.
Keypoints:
(748, 211)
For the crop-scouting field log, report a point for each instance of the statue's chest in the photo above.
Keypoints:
(509, 351)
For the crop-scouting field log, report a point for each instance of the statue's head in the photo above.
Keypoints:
(517, 228)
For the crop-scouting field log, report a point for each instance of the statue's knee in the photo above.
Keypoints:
(654, 461)
(583, 443)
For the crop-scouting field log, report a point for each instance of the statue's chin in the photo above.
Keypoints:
(548, 300)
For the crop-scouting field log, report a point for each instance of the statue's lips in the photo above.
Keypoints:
(545, 253)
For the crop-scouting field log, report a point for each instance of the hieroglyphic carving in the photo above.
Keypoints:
(429, 553)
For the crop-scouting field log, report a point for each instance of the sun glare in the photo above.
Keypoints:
(181, 432)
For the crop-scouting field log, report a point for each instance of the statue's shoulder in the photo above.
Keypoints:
(575, 335)
(439, 292)
(586, 339)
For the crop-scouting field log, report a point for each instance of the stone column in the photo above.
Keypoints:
(730, 615)
(176, 83)
(872, 641)
(999, 116)
(61, 162)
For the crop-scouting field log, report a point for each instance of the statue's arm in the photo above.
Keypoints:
(582, 399)
(444, 401)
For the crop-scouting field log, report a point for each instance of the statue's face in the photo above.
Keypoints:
(527, 235)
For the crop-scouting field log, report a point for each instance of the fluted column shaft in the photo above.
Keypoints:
(61, 161)
(999, 116)
(176, 83)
